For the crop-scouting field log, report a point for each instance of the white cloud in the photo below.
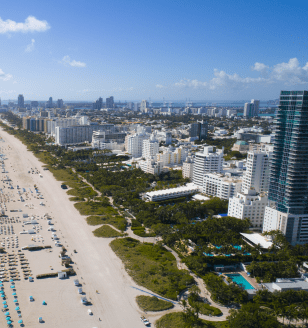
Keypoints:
(288, 73)
(291, 72)
(5, 77)
(259, 67)
(66, 60)
(30, 47)
(31, 24)
(159, 86)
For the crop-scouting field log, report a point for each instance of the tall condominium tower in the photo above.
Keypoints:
(198, 130)
(288, 188)
(207, 161)
(251, 109)
(21, 101)
(257, 172)
(109, 102)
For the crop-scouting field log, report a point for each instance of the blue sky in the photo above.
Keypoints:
(133, 50)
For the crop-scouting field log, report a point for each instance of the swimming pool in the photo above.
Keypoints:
(240, 280)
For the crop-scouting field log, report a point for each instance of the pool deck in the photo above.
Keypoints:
(252, 281)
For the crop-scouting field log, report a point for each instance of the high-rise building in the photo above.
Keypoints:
(143, 106)
(134, 143)
(256, 104)
(198, 130)
(49, 103)
(207, 161)
(109, 102)
(150, 147)
(98, 104)
(257, 172)
(60, 103)
(251, 109)
(288, 187)
(21, 101)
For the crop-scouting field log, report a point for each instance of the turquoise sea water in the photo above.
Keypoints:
(240, 280)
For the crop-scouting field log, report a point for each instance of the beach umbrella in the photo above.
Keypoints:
(5, 306)
(14, 294)
(44, 303)
(15, 301)
(8, 318)
(7, 313)
(17, 308)
(9, 322)
(11, 280)
(12, 286)
(19, 321)
(4, 302)
(1, 291)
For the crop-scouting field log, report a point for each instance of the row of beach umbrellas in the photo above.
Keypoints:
(5, 306)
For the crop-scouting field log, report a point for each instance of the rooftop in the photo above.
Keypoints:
(255, 239)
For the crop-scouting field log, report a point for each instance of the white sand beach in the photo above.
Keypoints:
(97, 267)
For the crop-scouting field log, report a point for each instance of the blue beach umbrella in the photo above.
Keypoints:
(17, 308)
(12, 286)
(4, 302)
(9, 322)
(7, 313)
(1, 291)
(8, 318)
(11, 280)
(19, 321)
(14, 294)
(2, 295)
(15, 301)
(5, 306)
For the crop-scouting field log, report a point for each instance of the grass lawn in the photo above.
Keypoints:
(68, 177)
(152, 303)
(106, 232)
(152, 266)
(117, 221)
(86, 192)
(205, 309)
(95, 208)
(175, 320)
(76, 199)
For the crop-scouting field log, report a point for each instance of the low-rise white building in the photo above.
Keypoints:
(150, 166)
(160, 195)
(218, 185)
(251, 205)
(293, 226)
(171, 156)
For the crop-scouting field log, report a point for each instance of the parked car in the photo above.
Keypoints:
(145, 321)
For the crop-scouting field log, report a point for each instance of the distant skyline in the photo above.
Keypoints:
(133, 50)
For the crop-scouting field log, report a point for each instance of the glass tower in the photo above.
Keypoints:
(288, 187)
